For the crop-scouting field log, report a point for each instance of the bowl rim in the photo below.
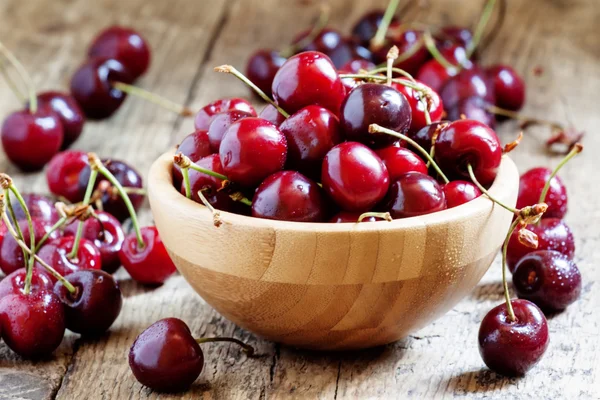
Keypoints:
(160, 185)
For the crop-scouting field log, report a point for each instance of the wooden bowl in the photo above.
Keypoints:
(332, 286)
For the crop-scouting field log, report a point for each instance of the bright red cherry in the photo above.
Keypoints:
(203, 117)
(39, 206)
(30, 140)
(271, 114)
(70, 114)
(62, 174)
(95, 306)
(308, 78)
(456, 55)
(418, 104)
(123, 44)
(15, 282)
(466, 142)
(474, 108)
(354, 176)
(531, 185)
(219, 125)
(459, 192)
(349, 216)
(251, 150)
(150, 265)
(56, 254)
(467, 83)
(435, 75)
(353, 67)
(33, 325)
(414, 194)
(262, 67)
(509, 87)
(366, 27)
(195, 146)
(400, 160)
(91, 86)
(512, 347)
(289, 196)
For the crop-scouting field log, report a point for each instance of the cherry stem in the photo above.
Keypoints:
(577, 148)
(485, 42)
(515, 115)
(480, 28)
(216, 214)
(385, 215)
(86, 201)
(249, 350)
(231, 70)
(413, 85)
(196, 167)
(315, 31)
(511, 313)
(153, 98)
(16, 222)
(433, 139)
(433, 50)
(396, 70)
(379, 37)
(485, 191)
(411, 51)
(186, 182)
(374, 128)
(392, 55)
(239, 197)
(11, 83)
(55, 227)
(30, 263)
(33, 103)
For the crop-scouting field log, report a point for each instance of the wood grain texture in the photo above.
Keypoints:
(189, 37)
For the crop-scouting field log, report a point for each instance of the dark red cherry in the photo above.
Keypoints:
(62, 174)
(456, 55)
(123, 44)
(203, 117)
(95, 306)
(349, 216)
(353, 67)
(70, 114)
(56, 254)
(347, 51)
(552, 233)
(424, 136)
(512, 347)
(15, 282)
(509, 87)
(418, 104)
(271, 114)
(435, 75)
(310, 133)
(531, 185)
(308, 78)
(165, 357)
(39, 206)
(106, 233)
(251, 150)
(459, 192)
(195, 146)
(354, 176)
(414, 194)
(33, 325)
(467, 83)
(466, 142)
(289, 196)
(150, 265)
(366, 27)
(30, 140)
(262, 67)
(327, 40)
(474, 108)
(405, 41)
(400, 160)
(219, 125)
(455, 35)
(92, 89)
(548, 279)
(372, 103)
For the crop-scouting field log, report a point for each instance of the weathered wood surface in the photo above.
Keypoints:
(188, 38)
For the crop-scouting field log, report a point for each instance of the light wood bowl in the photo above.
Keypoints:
(332, 286)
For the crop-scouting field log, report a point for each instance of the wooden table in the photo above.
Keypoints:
(188, 39)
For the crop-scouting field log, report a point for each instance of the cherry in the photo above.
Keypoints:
(474, 108)
(513, 347)
(310, 133)
(123, 44)
(56, 254)
(204, 116)
(305, 79)
(467, 83)
(509, 87)
(354, 176)
(106, 233)
(219, 125)
(414, 194)
(424, 136)
(455, 35)
(552, 233)
(150, 265)
(262, 67)
(531, 185)
(418, 105)
(466, 142)
(33, 325)
(347, 51)
(289, 196)
(31, 139)
(366, 27)
(326, 41)
(435, 75)
(405, 41)
(459, 192)
(372, 103)
(15, 282)
(348, 216)
(456, 55)
(62, 174)
(251, 150)
(68, 111)
(95, 305)
(400, 160)
(354, 66)
(271, 114)
(195, 146)
(39, 206)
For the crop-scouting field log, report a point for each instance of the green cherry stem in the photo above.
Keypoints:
(577, 148)
(11, 83)
(55, 227)
(184, 161)
(11, 211)
(433, 50)
(249, 350)
(511, 312)
(315, 31)
(379, 38)
(33, 103)
(480, 28)
(394, 69)
(153, 98)
(485, 191)
(86, 201)
(186, 182)
(31, 261)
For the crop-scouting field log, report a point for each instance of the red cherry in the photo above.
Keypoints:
(56, 254)
(466, 142)
(435, 75)
(271, 114)
(15, 282)
(348, 216)
(414, 194)
(150, 265)
(459, 192)
(262, 67)
(367, 26)
(204, 116)
(513, 347)
(400, 160)
(219, 125)
(467, 83)
(348, 50)
(405, 42)
(474, 108)
(552, 233)
(39, 206)
(68, 111)
(289, 196)
(30, 140)
(251, 150)
(530, 188)
(456, 55)
(424, 136)
(455, 35)
(353, 67)
(33, 325)
(327, 40)
(195, 146)
(305, 79)
(354, 176)
(123, 44)
(418, 104)
(62, 174)
(509, 87)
